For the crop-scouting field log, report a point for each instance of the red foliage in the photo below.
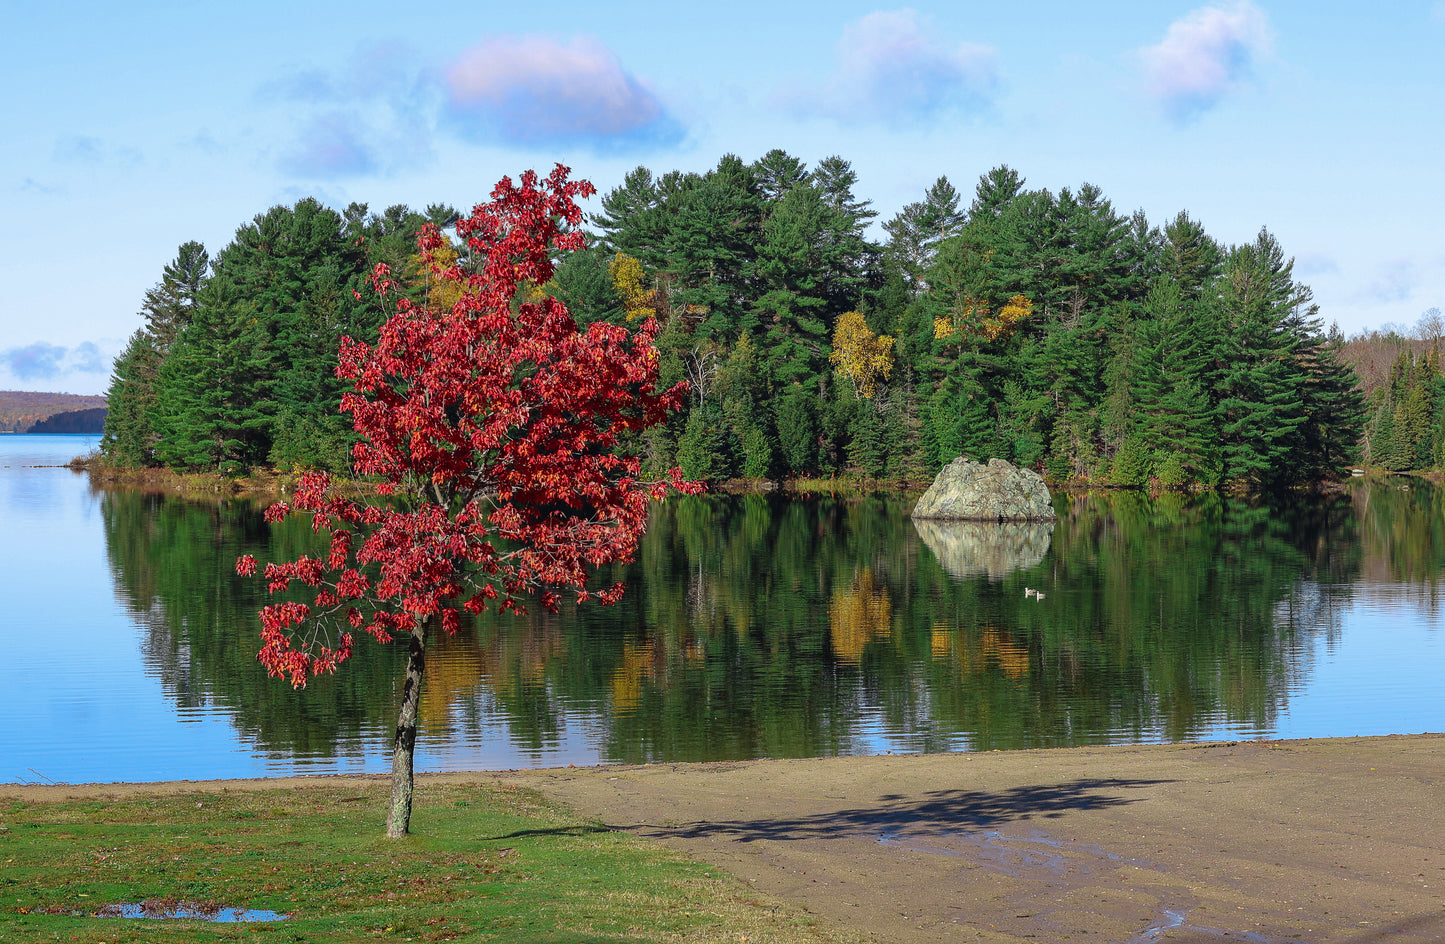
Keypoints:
(497, 419)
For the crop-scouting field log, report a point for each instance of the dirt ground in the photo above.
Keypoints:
(1332, 840)
(1339, 840)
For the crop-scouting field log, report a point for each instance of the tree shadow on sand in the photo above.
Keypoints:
(901, 816)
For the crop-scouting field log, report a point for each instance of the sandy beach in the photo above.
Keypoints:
(1329, 840)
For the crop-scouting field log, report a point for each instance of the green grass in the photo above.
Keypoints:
(484, 863)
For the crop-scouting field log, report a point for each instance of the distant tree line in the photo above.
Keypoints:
(20, 410)
(1044, 328)
(72, 421)
(1402, 380)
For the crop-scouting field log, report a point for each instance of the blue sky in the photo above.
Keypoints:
(131, 128)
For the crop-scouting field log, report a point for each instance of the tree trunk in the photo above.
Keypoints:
(404, 747)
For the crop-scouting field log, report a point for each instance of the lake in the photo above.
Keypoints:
(752, 626)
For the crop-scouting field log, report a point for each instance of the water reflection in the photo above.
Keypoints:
(173, 563)
(994, 548)
(760, 626)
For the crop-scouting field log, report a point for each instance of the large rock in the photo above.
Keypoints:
(971, 491)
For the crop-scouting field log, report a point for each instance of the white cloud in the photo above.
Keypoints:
(91, 151)
(375, 116)
(1395, 281)
(42, 361)
(530, 90)
(331, 145)
(1205, 56)
(31, 185)
(894, 67)
(382, 112)
(1316, 263)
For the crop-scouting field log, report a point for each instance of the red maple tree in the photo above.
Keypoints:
(496, 426)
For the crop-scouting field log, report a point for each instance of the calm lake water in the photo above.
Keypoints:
(752, 627)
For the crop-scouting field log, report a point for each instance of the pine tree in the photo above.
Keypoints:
(741, 390)
(778, 172)
(168, 308)
(995, 191)
(1189, 256)
(794, 309)
(868, 440)
(710, 245)
(215, 407)
(705, 453)
(1170, 407)
(129, 438)
(916, 231)
(583, 282)
(628, 220)
(1257, 376)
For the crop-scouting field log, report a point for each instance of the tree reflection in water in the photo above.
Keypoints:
(763, 626)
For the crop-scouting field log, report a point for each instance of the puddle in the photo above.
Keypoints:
(187, 910)
(1154, 932)
(1068, 865)
(1014, 856)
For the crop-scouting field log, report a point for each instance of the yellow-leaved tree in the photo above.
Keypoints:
(866, 358)
(441, 294)
(974, 319)
(628, 281)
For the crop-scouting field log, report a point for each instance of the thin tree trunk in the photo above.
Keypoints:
(404, 747)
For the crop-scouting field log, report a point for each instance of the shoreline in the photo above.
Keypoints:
(1325, 840)
(43, 791)
(264, 483)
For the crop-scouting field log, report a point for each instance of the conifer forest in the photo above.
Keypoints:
(1044, 327)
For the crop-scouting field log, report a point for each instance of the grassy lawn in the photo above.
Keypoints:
(484, 863)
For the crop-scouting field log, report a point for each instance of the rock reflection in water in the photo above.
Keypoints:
(995, 548)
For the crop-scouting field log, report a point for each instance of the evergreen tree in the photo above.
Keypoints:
(168, 308)
(584, 284)
(792, 264)
(916, 231)
(1256, 376)
(711, 244)
(1387, 448)
(705, 452)
(995, 191)
(626, 222)
(778, 172)
(835, 178)
(129, 437)
(868, 440)
(1189, 255)
(1329, 438)
(797, 430)
(1170, 408)
(742, 392)
(1041, 327)
(215, 407)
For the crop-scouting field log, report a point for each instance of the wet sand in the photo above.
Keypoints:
(1272, 842)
